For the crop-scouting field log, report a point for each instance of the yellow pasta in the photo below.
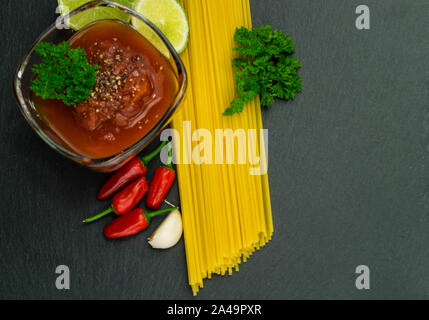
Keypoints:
(226, 211)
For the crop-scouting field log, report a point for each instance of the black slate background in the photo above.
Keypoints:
(348, 173)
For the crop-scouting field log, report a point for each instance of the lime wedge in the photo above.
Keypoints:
(169, 17)
(82, 19)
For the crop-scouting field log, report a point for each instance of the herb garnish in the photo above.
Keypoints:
(64, 73)
(266, 68)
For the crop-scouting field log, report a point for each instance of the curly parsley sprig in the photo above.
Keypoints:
(266, 68)
(64, 73)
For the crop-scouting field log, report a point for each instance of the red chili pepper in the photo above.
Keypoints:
(137, 167)
(131, 223)
(126, 200)
(161, 184)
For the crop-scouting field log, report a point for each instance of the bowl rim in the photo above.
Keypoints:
(144, 141)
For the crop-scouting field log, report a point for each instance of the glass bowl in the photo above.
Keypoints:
(55, 34)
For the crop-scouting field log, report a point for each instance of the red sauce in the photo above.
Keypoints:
(134, 88)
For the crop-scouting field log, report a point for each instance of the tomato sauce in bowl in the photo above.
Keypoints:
(135, 86)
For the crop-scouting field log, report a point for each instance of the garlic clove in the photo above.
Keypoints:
(168, 234)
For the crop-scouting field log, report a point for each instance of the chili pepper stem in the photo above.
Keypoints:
(150, 215)
(169, 164)
(148, 158)
(100, 215)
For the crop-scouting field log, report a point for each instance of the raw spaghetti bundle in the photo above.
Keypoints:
(226, 210)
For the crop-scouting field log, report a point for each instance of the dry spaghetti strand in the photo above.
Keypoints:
(226, 211)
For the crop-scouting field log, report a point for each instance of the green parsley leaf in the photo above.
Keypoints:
(64, 73)
(266, 68)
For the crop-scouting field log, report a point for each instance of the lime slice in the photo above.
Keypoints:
(169, 17)
(82, 19)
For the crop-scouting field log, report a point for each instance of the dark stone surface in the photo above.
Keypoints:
(348, 173)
